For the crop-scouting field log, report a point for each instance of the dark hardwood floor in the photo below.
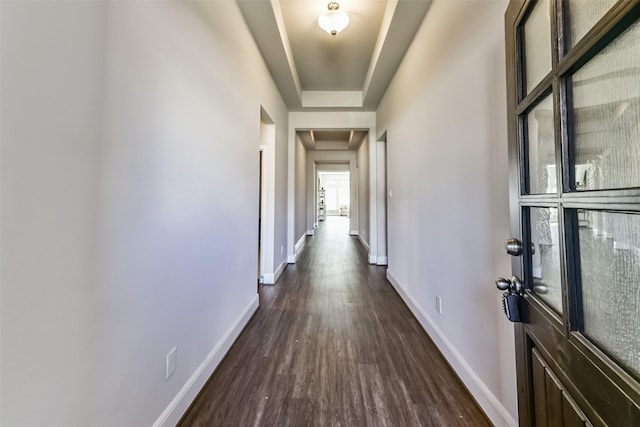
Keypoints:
(333, 345)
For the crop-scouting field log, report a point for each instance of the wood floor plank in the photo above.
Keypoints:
(333, 345)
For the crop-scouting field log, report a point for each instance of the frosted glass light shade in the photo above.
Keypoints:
(333, 21)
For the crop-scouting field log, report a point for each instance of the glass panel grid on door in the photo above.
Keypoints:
(581, 16)
(541, 149)
(545, 271)
(605, 113)
(537, 44)
(609, 251)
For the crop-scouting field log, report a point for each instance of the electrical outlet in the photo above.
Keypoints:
(439, 304)
(171, 363)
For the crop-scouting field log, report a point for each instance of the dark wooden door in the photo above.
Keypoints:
(573, 71)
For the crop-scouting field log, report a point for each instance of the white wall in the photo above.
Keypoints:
(445, 117)
(129, 204)
(363, 191)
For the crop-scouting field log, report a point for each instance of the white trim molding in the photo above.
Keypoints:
(311, 232)
(330, 120)
(300, 245)
(364, 242)
(268, 214)
(280, 270)
(382, 260)
(271, 279)
(489, 403)
(268, 279)
(354, 233)
(179, 405)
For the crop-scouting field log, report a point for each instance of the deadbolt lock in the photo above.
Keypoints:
(512, 296)
(513, 285)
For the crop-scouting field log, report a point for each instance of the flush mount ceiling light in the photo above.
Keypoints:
(333, 21)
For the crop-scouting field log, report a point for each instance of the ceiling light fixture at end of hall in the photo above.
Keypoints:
(333, 20)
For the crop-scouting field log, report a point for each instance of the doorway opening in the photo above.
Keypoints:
(260, 216)
(334, 201)
(334, 194)
(385, 200)
(266, 200)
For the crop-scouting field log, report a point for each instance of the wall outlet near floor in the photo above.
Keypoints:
(439, 304)
(171, 363)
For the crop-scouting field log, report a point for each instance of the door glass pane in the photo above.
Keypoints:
(545, 259)
(606, 116)
(582, 15)
(537, 44)
(610, 273)
(541, 149)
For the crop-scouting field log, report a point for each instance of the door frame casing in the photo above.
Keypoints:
(267, 146)
(263, 213)
(337, 120)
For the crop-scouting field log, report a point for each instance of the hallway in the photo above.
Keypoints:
(333, 344)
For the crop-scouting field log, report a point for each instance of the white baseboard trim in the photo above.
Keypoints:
(268, 279)
(272, 278)
(311, 232)
(300, 244)
(280, 270)
(364, 243)
(354, 233)
(382, 260)
(492, 407)
(373, 259)
(178, 406)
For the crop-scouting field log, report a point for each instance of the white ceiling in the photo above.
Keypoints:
(326, 63)
(315, 71)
